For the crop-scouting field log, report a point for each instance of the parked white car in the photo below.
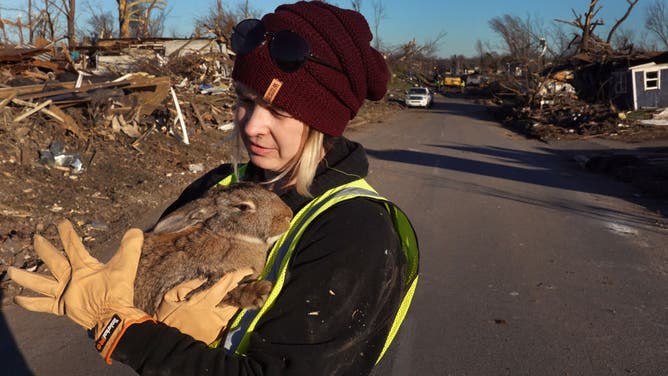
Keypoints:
(419, 97)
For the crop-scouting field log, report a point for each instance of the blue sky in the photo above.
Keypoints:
(464, 22)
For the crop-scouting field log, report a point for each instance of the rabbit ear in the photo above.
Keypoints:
(180, 221)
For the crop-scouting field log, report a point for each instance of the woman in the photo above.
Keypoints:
(343, 270)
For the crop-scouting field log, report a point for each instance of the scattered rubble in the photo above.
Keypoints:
(564, 118)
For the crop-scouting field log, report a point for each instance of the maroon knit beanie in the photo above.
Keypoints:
(321, 97)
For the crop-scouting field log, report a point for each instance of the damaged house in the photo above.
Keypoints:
(119, 54)
(629, 82)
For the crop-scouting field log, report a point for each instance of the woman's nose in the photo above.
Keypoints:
(257, 121)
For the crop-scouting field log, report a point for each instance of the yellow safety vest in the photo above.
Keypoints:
(280, 255)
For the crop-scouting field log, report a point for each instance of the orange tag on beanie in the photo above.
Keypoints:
(272, 90)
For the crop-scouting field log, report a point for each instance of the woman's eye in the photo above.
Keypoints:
(280, 114)
(277, 114)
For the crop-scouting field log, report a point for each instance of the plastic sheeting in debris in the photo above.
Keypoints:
(55, 156)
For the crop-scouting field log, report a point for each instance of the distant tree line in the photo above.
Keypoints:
(527, 41)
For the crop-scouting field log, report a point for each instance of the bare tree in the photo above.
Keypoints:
(631, 4)
(244, 11)
(218, 21)
(587, 23)
(624, 40)
(134, 11)
(146, 23)
(50, 22)
(68, 9)
(19, 27)
(41, 22)
(123, 18)
(36, 25)
(156, 23)
(527, 49)
(647, 42)
(559, 41)
(412, 52)
(5, 40)
(480, 48)
(378, 15)
(429, 48)
(519, 35)
(587, 26)
(656, 21)
(31, 32)
(100, 23)
(357, 5)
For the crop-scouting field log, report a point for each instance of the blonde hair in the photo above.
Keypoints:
(301, 169)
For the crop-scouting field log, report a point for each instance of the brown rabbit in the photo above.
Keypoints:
(227, 229)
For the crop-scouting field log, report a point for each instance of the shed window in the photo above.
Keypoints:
(652, 81)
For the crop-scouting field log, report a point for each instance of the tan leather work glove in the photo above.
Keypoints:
(94, 295)
(201, 316)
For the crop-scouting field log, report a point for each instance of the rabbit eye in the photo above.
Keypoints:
(245, 206)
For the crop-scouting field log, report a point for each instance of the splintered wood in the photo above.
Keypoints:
(156, 92)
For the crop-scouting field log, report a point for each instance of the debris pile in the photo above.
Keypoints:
(117, 86)
(561, 116)
(554, 110)
(30, 63)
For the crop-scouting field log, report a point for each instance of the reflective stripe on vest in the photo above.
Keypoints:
(233, 178)
(276, 266)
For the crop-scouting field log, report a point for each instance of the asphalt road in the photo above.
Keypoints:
(530, 266)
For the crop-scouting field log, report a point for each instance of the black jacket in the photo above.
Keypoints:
(342, 290)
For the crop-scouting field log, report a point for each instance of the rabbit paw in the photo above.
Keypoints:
(251, 295)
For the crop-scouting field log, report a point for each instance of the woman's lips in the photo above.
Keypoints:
(259, 150)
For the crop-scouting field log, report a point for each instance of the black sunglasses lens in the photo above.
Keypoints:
(247, 35)
(288, 50)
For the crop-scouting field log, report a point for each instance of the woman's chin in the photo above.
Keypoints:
(265, 163)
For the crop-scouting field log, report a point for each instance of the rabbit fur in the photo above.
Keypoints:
(226, 229)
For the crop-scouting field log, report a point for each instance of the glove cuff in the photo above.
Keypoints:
(110, 332)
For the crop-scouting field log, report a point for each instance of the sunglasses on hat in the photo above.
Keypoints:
(288, 50)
